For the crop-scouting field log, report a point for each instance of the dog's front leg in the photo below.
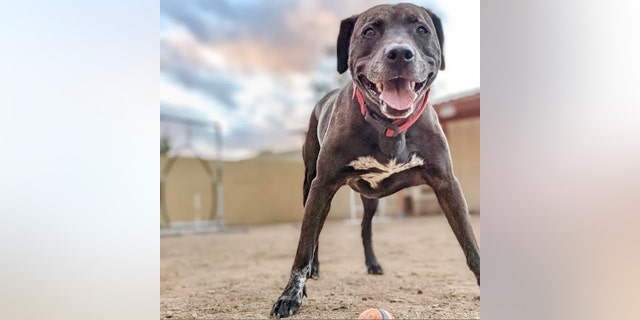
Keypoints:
(451, 199)
(315, 212)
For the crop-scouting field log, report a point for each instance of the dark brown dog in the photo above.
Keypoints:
(378, 135)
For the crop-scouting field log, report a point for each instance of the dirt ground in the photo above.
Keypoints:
(240, 275)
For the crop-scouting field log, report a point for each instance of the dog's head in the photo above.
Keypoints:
(394, 53)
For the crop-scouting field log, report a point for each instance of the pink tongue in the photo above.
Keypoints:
(397, 94)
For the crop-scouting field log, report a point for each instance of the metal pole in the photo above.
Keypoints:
(218, 175)
(219, 193)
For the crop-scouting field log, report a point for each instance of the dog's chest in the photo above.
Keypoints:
(376, 172)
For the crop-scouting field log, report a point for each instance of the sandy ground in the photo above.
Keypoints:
(240, 275)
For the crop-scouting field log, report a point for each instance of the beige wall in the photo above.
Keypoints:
(266, 191)
(255, 191)
(464, 142)
(186, 178)
(262, 191)
(269, 189)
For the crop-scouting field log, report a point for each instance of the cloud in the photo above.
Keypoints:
(254, 66)
(250, 35)
(280, 36)
(185, 100)
(196, 67)
(267, 115)
(462, 47)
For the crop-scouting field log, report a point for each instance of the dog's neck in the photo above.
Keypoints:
(392, 128)
(391, 139)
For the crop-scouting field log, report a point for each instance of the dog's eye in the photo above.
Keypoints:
(422, 30)
(369, 32)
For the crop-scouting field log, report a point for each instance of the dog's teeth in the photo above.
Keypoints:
(413, 85)
(379, 87)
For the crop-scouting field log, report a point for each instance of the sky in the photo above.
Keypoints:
(257, 68)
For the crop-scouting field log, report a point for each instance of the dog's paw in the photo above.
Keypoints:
(285, 306)
(374, 268)
(288, 303)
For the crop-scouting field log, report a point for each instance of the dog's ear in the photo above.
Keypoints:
(344, 38)
(438, 24)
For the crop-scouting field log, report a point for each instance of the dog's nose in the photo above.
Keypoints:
(399, 52)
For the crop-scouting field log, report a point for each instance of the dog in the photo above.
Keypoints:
(377, 135)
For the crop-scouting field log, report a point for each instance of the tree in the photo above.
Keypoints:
(165, 145)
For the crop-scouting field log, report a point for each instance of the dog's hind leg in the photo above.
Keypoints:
(370, 207)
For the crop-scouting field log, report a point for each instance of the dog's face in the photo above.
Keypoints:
(394, 53)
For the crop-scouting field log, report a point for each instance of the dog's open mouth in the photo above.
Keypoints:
(397, 93)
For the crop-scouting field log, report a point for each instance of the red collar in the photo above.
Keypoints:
(398, 125)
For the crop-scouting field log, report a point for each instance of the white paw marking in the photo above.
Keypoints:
(301, 280)
(386, 170)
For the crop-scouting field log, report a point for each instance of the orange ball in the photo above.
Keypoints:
(376, 313)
